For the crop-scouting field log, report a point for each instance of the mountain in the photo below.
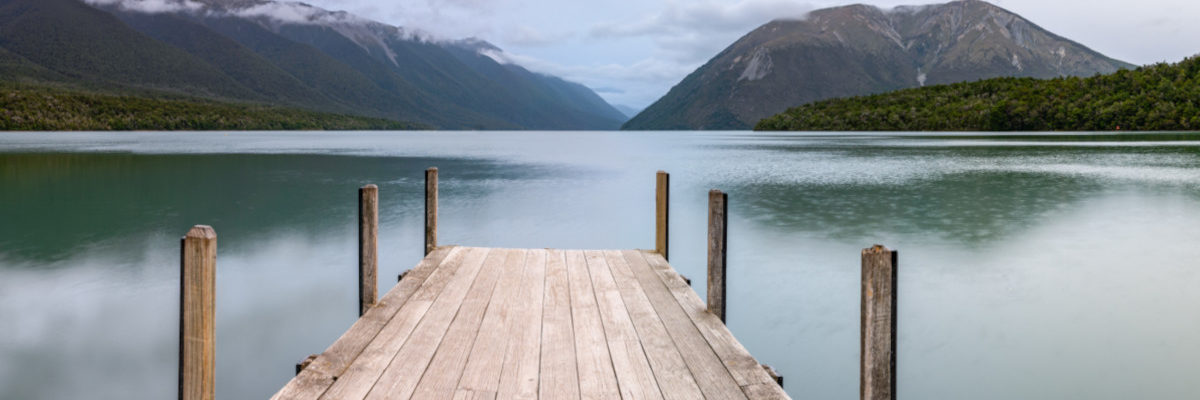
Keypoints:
(1159, 97)
(860, 50)
(286, 54)
(629, 112)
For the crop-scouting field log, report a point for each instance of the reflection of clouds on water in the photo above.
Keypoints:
(100, 332)
(1021, 258)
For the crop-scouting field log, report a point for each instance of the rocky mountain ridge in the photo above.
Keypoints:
(858, 50)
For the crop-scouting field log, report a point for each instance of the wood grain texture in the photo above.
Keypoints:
(744, 368)
(662, 202)
(519, 374)
(431, 209)
(710, 373)
(559, 376)
(443, 289)
(197, 311)
(598, 381)
(511, 323)
(482, 372)
(450, 359)
(634, 376)
(312, 382)
(878, 347)
(671, 372)
(368, 247)
(400, 378)
(718, 219)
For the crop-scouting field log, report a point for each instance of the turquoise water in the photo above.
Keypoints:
(1034, 266)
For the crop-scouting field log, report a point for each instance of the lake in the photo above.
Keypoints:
(1033, 266)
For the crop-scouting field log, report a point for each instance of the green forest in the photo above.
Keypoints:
(1160, 97)
(50, 108)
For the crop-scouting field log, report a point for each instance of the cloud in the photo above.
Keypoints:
(297, 13)
(152, 6)
(524, 35)
(705, 16)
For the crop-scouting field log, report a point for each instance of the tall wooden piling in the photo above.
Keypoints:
(431, 209)
(718, 218)
(197, 309)
(368, 247)
(878, 347)
(662, 199)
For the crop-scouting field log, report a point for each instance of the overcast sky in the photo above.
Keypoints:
(632, 51)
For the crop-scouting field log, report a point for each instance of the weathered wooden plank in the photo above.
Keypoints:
(312, 382)
(368, 245)
(431, 209)
(596, 377)
(400, 378)
(744, 368)
(519, 374)
(482, 370)
(559, 376)
(464, 394)
(443, 289)
(718, 219)
(714, 379)
(197, 308)
(451, 357)
(671, 372)
(634, 376)
(662, 199)
(878, 347)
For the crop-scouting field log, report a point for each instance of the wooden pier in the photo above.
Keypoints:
(492, 323)
(472, 322)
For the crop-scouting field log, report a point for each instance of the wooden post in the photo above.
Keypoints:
(431, 209)
(717, 219)
(368, 247)
(197, 308)
(662, 212)
(878, 348)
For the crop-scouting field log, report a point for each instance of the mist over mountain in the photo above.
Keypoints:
(288, 54)
(858, 50)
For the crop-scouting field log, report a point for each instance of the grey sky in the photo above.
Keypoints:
(633, 51)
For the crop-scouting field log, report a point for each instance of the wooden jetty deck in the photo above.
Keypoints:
(490, 323)
(473, 323)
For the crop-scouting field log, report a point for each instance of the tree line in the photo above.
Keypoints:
(1160, 97)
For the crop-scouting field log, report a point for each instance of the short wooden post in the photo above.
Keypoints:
(878, 348)
(717, 219)
(774, 374)
(197, 309)
(662, 212)
(368, 247)
(431, 209)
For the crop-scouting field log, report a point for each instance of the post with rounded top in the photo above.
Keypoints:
(431, 209)
(368, 247)
(197, 310)
(718, 218)
(877, 380)
(662, 215)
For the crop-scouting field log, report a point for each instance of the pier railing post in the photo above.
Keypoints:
(662, 199)
(877, 379)
(197, 310)
(717, 219)
(431, 209)
(368, 247)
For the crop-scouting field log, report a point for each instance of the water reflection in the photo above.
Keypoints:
(1038, 267)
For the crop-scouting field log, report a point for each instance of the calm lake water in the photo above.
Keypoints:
(1032, 266)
